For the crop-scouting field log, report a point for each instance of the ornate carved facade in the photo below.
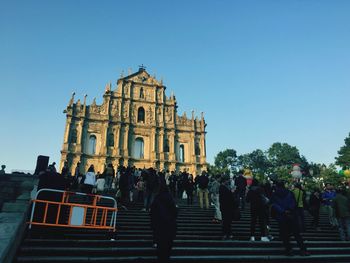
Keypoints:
(137, 124)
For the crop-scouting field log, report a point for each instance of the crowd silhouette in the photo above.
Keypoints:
(160, 191)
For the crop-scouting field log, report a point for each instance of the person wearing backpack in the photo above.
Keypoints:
(203, 192)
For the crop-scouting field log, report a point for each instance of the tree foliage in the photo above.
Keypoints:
(343, 158)
(281, 154)
(225, 161)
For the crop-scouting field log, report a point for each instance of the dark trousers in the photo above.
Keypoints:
(164, 250)
(241, 196)
(300, 219)
(255, 216)
(315, 217)
(287, 227)
(189, 197)
(226, 223)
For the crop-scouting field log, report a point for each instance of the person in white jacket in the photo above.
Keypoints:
(100, 184)
(90, 180)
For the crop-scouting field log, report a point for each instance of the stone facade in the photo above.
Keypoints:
(136, 125)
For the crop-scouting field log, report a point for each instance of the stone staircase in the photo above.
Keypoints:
(198, 240)
(15, 192)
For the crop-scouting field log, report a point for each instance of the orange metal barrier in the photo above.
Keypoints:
(63, 212)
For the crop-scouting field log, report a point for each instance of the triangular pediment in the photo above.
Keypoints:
(142, 77)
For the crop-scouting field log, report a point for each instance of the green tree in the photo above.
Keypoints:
(225, 161)
(244, 161)
(330, 175)
(281, 154)
(343, 159)
(259, 162)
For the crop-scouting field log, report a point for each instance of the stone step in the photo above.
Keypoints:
(177, 251)
(187, 243)
(182, 259)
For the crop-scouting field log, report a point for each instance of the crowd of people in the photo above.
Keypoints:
(159, 191)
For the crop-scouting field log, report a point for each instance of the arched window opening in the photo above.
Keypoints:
(142, 95)
(92, 144)
(139, 148)
(141, 115)
(73, 136)
(110, 140)
(197, 149)
(182, 153)
(166, 146)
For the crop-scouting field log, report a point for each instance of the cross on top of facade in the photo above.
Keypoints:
(142, 67)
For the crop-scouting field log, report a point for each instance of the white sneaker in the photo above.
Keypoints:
(265, 239)
(252, 238)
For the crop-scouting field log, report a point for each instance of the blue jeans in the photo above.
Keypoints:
(344, 228)
(148, 199)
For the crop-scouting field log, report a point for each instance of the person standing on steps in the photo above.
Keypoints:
(214, 187)
(258, 204)
(327, 198)
(189, 187)
(314, 208)
(163, 222)
(241, 185)
(341, 209)
(2, 171)
(203, 182)
(90, 180)
(228, 206)
(284, 211)
(109, 176)
(299, 195)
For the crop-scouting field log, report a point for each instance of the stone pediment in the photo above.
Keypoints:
(142, 77)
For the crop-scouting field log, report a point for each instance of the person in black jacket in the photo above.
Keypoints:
(241, 186)
(189, 187)
(284, 210)
(228, 206)
(163, 222)
(258, 205)
(314, 208)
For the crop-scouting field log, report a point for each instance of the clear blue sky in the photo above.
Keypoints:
(262, 71)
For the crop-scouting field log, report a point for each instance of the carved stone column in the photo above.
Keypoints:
(203, 150)
(161, 145)
(66, 134)
(126, 142)
(116, 151)
(79, 136)
(172, 146)
(153, 144)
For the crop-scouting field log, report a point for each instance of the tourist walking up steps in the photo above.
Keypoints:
(341, 209)
(258, 204)
(283, 210)
(163, 222)
(228, 206)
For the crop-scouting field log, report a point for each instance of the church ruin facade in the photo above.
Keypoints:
(136, 125)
